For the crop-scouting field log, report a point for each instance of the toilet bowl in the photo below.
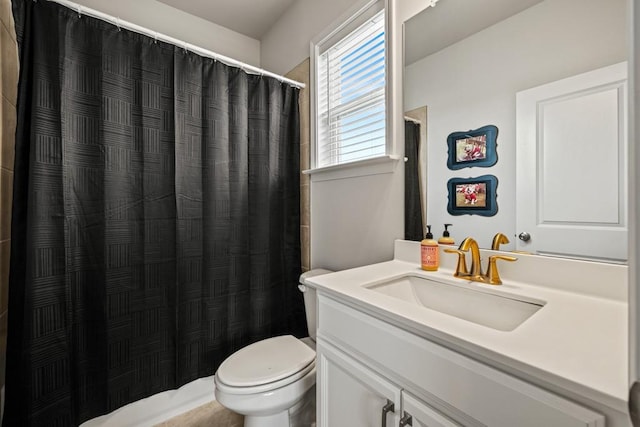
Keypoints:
(272, 382)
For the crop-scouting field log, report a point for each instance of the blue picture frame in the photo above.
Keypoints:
(473, 196)
(473, 148)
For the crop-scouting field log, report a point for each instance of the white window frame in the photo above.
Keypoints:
(346, 24)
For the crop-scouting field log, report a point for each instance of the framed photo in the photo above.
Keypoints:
(473, 148)
(473, 196)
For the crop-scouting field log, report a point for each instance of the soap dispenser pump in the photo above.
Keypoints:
(446, 239)
(429, 256)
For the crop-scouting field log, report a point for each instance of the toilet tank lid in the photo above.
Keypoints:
(313, 273)
(265, 361)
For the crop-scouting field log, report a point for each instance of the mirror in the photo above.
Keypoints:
(468, 61)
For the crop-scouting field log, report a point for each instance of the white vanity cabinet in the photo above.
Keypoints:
(351, 394)
(354, 395)
(364, 363)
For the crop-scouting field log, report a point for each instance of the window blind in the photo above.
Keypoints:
(351, 96)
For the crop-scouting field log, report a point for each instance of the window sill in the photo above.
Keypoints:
(374, 166)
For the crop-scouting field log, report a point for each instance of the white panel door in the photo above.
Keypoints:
(571, 185)
(350, 394)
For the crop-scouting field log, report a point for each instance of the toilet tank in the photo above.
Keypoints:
(309, 294)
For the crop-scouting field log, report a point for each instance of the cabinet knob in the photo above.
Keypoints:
(389, 407)
(406, 420)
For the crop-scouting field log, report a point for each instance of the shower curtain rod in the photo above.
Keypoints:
(162, 37)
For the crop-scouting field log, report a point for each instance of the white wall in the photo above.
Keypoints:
(286, 44)
(354, 221)
(180, 25)
(473, 83)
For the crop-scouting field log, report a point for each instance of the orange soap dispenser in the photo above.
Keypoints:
(429, 257)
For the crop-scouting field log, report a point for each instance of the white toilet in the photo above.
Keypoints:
(272, 382)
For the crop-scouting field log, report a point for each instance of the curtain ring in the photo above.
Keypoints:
(155, 38)
(184, 47)
(118, 24)
(79, 11)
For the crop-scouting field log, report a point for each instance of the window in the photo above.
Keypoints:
(350, 102)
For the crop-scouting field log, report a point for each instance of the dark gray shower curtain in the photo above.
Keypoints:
(413, 226)
(238, 197)
(155, 217)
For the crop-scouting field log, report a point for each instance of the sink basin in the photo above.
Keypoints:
(492, 309)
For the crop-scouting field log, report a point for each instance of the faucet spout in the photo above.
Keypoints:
(476, 268)
(498, 240)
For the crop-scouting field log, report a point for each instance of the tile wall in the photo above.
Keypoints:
(301, 73)
(9, 84)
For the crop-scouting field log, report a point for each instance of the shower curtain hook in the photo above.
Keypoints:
(79, 11)
(184, 47)
(155, 38)
(118, 24)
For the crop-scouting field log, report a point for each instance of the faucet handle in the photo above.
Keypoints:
(461, 268)
(492, 273)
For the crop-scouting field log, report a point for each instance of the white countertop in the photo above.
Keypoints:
(577, 342)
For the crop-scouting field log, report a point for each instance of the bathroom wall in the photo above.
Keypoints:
(547, 42)
(286, 44)
(9, 84)
(175, 23)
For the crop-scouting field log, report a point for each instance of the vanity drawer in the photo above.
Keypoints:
(467, 390)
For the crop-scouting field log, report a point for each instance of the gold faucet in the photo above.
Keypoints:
(492, 277)
(476, 268)
(499, 239)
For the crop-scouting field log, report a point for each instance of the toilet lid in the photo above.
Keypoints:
(265, 361)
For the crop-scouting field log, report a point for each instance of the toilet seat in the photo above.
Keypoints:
(265, 365)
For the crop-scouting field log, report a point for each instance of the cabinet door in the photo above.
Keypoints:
(421, 414)
(349, 394)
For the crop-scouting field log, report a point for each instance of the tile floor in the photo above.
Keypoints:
(209, 415)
